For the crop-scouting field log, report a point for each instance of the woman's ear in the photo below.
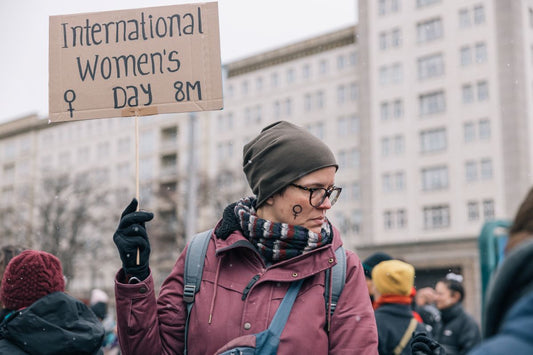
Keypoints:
(269, 201)
(456, 296)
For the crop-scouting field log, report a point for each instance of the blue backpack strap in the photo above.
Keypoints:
(192, 277)
(338, 279)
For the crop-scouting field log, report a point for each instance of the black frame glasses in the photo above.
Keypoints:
(320, 194)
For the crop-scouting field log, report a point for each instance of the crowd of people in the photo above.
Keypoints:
(273, 250)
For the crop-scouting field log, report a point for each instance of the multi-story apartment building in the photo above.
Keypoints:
(447, 112)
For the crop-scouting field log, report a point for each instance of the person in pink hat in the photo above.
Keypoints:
(39, 317)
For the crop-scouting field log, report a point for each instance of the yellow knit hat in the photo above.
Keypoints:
(393, 277)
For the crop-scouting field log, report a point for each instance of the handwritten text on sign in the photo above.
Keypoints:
(135, 62)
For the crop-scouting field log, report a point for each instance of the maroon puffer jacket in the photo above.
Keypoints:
(147, 326)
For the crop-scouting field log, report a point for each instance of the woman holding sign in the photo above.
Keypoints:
(265, 249)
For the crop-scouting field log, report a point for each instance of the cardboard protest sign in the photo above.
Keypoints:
(135, 62)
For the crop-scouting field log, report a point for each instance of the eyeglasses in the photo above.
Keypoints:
(317, 195)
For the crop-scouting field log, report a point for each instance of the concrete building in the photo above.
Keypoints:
(446, 111)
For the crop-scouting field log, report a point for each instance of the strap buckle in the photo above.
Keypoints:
(188, 293)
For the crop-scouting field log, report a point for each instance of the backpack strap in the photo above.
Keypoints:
(192, 277)
(406, 336)
(338, 279)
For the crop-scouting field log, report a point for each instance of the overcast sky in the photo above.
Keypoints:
(247, 27)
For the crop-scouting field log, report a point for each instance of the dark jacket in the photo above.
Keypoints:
(392, 320)
(459, 332)
(55, 324)
(508, 311)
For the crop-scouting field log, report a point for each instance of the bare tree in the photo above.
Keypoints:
(66, 217)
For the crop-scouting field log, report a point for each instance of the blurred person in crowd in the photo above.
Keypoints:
(508, 308)
(393, 284)
(39, 317)
(261, 245)
(8, 252)
(99, 302)
(424, 305)
(458, 332)
(368, 264)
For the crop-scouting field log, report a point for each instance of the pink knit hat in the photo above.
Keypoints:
(29, 276)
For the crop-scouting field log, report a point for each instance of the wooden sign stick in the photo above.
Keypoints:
(138, 260)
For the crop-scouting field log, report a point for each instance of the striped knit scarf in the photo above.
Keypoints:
(278, 241)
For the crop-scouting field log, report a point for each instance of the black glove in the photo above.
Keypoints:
(131, 236)
(423, 345)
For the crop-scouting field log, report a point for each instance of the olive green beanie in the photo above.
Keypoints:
(281, 154)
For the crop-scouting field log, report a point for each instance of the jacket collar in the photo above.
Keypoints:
(302, 266)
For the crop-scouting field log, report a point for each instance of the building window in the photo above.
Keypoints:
(469, 132)
(399, 144)
(466, 56)
(383, 75)
(354, 91)
(341, 93)
(481, 52)
(396, 37)
(433, 140)
(467, 94)
(356, 191)
(471, 170)
(429, 30)
(484, 129)
(352, 58)
(323, 67)
(399, 181)
(388, 6)
(356, 221)
(383, 39)
(430, 66)
(422, 3)
(434, 178)
(341, 62)
(244, 87)
(396, 73)
(354, 124)
(290, 76)
(384, 111)
(385, 146)
(388, 222)
(473, 210)
(401, 219)
(464, 18)
(347, 125)
(288, 106)
(436, 217)
(482, 91)
(277, 109)
(479, 14)
(488, 209)
(320, 99)
(306, 71)
(274, 80)
(307, 102)
(486, 169)
(382, 7)
(397, 108)
(432, 103)
(387, 182)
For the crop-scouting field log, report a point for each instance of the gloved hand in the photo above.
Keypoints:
(130, 236)
(424, 345)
